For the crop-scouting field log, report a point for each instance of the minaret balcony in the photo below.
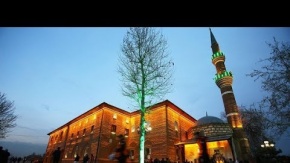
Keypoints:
(224, 79)
(218, 57)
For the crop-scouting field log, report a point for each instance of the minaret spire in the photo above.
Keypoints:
(224, 80)
(212, 38)
(214, 44)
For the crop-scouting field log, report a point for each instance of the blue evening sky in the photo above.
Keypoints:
(55, 74)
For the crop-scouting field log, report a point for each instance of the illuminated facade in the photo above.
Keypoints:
(94, 132)
(224, 80)
(218, 136)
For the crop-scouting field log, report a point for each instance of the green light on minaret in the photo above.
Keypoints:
(217, 54)
(222, 75)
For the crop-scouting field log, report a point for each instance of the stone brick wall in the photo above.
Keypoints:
(168, 122)
(214, 129)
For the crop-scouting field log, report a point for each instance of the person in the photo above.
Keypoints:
(1, 154)
(156, 160)
(56, 155)
(86, 159)
(121, 151)
(77, 159)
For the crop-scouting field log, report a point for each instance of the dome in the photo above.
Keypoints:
(208, 120)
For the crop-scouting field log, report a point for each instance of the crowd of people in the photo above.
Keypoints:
(57, 155)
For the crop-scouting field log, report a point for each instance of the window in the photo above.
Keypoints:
(60, 137)
(72, 135)
(126, 132)
(56, 139)
(76, 151)
(131, 154)
(176, 126)
(78, 133)
(84, 132)
(86, 150)
(115, 116)
(113, 129)
(92, 129)
(186, 135)
(147, 153)
(133, 129)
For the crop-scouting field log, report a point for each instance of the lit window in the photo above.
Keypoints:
(126, 132)
(84, 132)
(56, 139)
(115, 116)
(176, 126)
(60, 137)
(133, 129)
(127, 120)
(147, 152)
(131, 154)
(92, 129)
(76, 151)
(86, 151)
(113, 129)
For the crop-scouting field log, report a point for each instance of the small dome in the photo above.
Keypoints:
(208, 120)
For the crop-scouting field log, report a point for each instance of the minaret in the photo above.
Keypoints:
(224, 80)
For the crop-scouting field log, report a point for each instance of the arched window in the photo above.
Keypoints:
(60, 137)
(113, 129)
(92, 129)
(176, 126)
(87, 149)
(76, 151)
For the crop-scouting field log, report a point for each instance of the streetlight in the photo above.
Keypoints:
(148, 127)
(268, 150)
(267, 144)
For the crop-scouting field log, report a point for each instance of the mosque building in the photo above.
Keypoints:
(171, 133)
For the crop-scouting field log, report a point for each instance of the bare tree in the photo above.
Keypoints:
(255, 125)
(275, 76)
(146, 71)
(7, 116)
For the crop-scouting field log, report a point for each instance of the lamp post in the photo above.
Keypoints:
(268, 149)
(148, 127)
(266, 144)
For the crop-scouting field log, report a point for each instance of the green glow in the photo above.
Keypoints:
(142, 140)
(217, 54)
(142, 156)
(222, 75)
